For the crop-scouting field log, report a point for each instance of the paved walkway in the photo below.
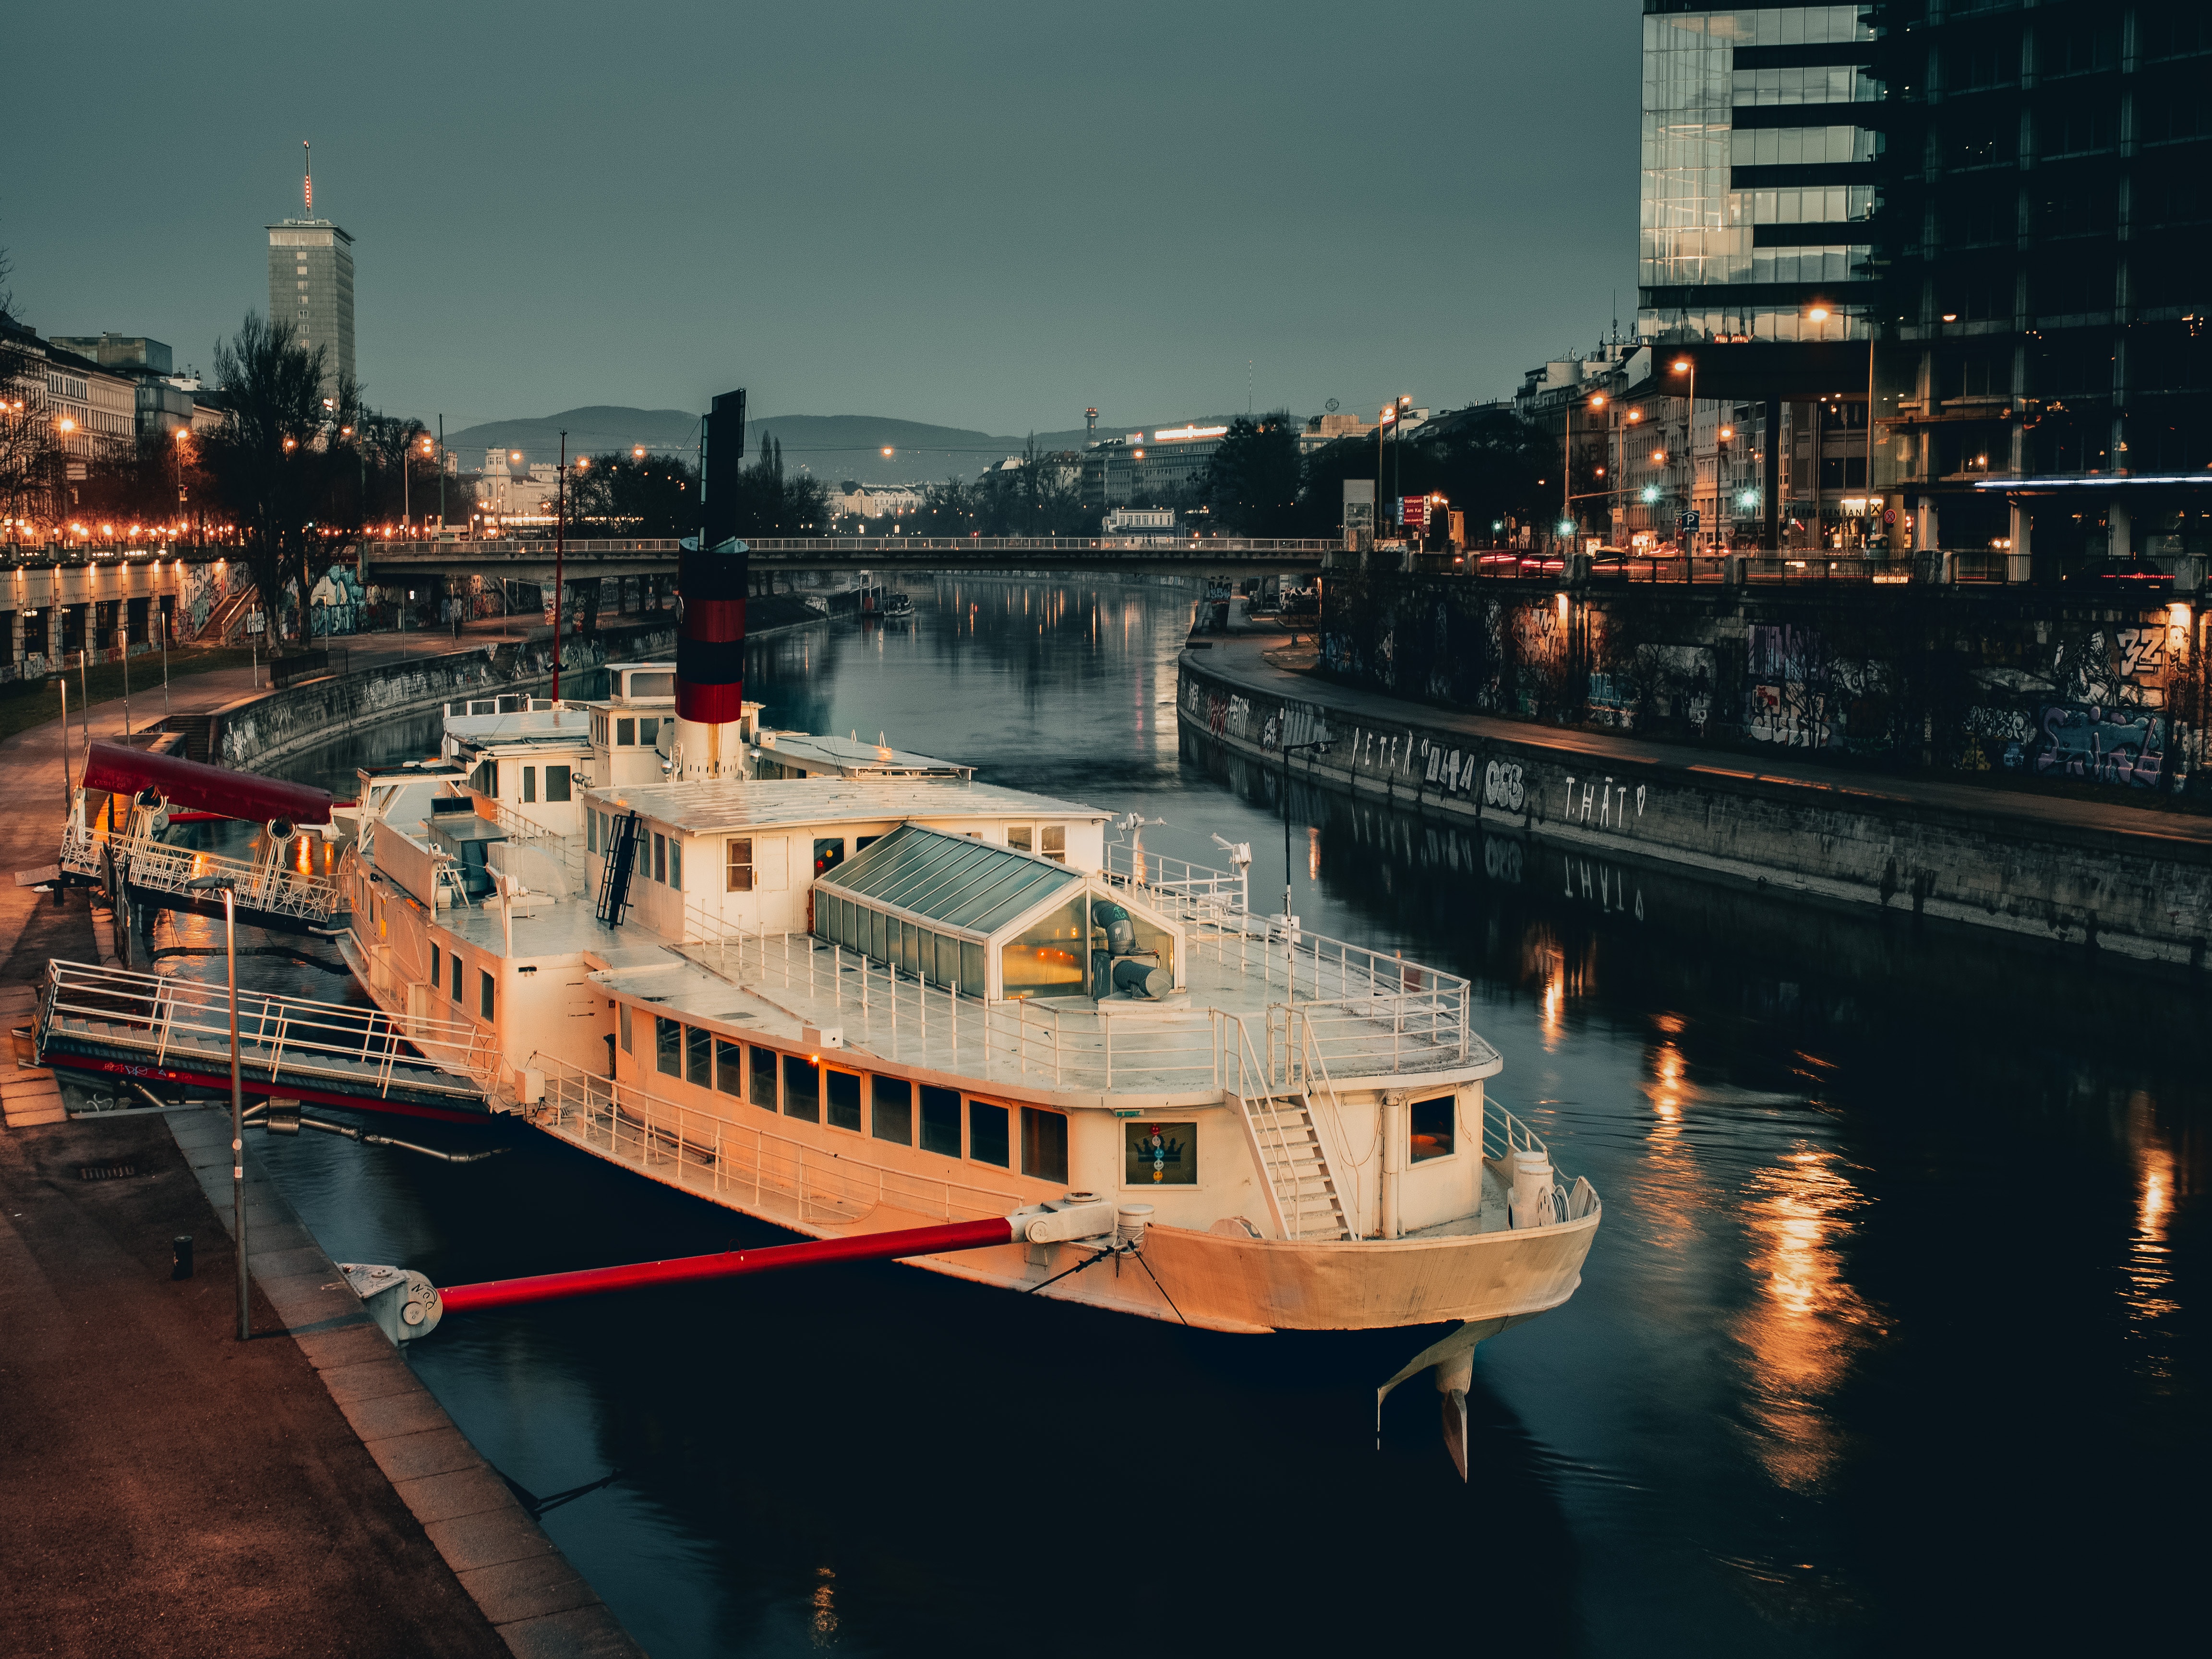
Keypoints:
(165, 1488)
(1245, 661)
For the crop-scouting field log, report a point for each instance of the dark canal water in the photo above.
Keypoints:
(1889, 1338)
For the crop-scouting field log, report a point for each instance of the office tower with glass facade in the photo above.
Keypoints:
(311, 291)
(2047, 215)
(1759, 163)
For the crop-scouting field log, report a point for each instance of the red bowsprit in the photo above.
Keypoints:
(728, 1264)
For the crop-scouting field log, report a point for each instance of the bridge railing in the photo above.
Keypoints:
(1180, 548)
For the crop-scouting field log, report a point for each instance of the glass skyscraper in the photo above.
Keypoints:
(1758, 170)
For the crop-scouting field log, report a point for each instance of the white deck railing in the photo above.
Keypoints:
(1505, 1134)
(1380, 1015)
(1191, 893)
(739, 1157)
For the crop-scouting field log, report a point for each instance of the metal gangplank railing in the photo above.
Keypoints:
(269, 894)
(111, 1019)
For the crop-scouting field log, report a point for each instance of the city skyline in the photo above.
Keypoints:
(925, 232)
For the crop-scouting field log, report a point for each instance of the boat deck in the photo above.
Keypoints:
(1259, 1012)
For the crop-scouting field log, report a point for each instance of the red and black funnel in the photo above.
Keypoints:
(710, 648)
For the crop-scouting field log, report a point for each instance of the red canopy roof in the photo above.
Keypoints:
(205, 788)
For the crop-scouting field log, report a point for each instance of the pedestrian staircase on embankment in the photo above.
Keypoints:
(168, 1029)
(229, 617)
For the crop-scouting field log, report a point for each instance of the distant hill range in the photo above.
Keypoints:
(832, 447)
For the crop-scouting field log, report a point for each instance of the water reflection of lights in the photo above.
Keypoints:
(1313, 854)
(2149, 1267)
(1809, 1322)
(1667, 1095)
(825, 1609)
(1555, 997)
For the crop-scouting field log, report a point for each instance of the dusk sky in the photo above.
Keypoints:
(989, 215)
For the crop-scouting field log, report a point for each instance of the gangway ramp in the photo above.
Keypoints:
(158, 875)
(164, 1028)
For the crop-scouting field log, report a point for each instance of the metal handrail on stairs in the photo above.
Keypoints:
(1315, 1063)
(1248, 1065)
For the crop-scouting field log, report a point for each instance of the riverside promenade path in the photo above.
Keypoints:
(1262, 662)
(165, 1488)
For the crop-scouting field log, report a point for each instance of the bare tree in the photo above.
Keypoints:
(30, 446)
(267, 461)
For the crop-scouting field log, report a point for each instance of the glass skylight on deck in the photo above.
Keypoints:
(959, 912)
(967, 885)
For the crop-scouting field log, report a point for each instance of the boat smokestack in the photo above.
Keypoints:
(710, 650)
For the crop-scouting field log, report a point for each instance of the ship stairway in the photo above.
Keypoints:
(1278, 1094)
(266, 893)
(167, 1028)
(614, 880)
(1297, 1168)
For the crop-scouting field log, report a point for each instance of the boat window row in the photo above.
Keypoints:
(659, 856)
(559, 781)
(455, 978)
(1046, 840)
(946, 1121)
(626, 732)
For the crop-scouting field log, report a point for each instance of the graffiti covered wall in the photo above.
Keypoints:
(1945, 678)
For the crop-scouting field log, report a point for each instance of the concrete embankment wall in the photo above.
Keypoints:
(256, 732)
(2137, 894)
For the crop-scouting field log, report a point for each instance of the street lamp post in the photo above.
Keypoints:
(1290, 947)
(1689, 366)
(227, 885)
(1382, 423)
(560, 548)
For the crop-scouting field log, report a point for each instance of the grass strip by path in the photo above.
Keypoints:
(28, 703)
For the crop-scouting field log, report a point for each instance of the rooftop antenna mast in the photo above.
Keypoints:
(308, 156)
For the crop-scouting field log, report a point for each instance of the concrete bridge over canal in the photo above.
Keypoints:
(532, 560)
